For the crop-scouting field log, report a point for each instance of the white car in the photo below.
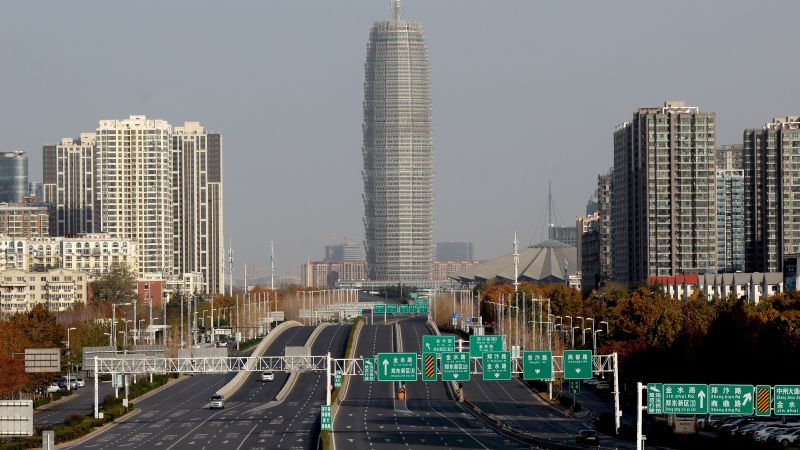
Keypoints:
(267, 376)
(216, 402)
(80, 383)
(789, 437)
(52, 388)
(763, 435)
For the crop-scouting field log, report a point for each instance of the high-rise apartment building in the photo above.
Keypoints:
(133, 168)
(69, 184)
(24, 221)
(604, 226)
(663, 204)
(730, 220)
(197, 203)
(588, 246)
(13, 176)
(398, 152)
(772, 193)
(730, 156)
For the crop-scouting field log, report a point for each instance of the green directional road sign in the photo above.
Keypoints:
(413, 295)
(455, 366)
(787, 400)
(438, 344)
(478, 345)
(575, 386)
(685, 399)
(428, 366)
(397, 366)
(404, 309)
(325, 417)
(496, 366)
(577, 364)
(537, 365)
(655, 398)
(413, 309)
(369, 369)
(423, 309)
(763, 400)
(379, 308)
(730, 399)
(391, 308)
(337, 380)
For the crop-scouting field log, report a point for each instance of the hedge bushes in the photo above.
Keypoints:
(77, 425)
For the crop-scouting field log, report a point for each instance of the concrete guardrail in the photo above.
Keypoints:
(236, 383)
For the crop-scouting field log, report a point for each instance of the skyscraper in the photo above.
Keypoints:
(134, 189)
(730, 220)
(13, 176)
(771, 202)
(663, 203)
(197, 203)
(398, 152)
(69, 186)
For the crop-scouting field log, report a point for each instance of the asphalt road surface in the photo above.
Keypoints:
(178, 417)
(429, 419)
(81, 402)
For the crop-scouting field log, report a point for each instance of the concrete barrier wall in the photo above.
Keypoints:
(294, 376)
(346, 382)
(236, 383)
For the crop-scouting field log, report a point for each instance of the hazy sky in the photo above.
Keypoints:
(524, 92)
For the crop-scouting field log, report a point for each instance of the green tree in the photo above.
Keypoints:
(118, 285)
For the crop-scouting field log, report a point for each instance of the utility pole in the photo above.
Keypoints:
(272, 265)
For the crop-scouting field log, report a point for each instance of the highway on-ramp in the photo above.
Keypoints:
(178, 417)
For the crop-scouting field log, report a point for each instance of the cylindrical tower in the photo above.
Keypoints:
(398, 152)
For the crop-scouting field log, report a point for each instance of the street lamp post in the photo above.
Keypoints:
(69, 355)
(573, 335)
(582, 324)
(605, 322)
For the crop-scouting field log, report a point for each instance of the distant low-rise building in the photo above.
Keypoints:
(443, 268)
(95, 254)
(57, 290)
(327, 273)
(750, 286)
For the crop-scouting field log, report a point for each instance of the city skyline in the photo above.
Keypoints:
(258, 118)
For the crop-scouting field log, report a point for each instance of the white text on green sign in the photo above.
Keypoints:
(577, 364)
(391, 308)
(496, 366)
(325, 417)
(438, 344)
(787, 400)
(369, 369)
(537, 365)
(379, 308)
(397, 366)
(455, 366)
(685, 399)
(730, 399)
(655, 398)
(478, 345)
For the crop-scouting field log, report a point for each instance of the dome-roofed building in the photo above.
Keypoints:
(546, 262)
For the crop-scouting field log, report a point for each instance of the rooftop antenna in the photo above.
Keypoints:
(396, 7)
